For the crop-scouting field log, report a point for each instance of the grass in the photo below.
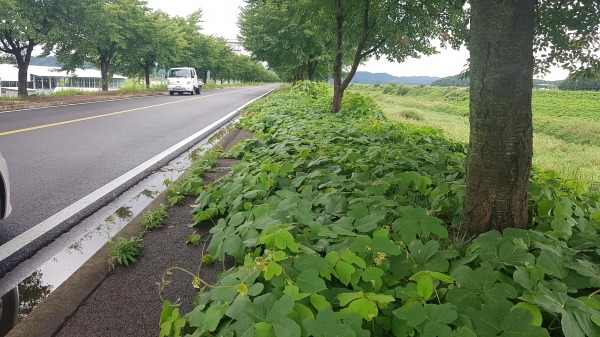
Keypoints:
(155, 218)
(566, 124)
(124, 251)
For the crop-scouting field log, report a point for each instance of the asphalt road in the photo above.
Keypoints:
(62, 154)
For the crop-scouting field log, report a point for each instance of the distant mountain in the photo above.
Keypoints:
(455, 81)
(365, 77)
(49, 61)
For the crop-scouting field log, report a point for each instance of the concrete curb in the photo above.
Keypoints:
(48, 317)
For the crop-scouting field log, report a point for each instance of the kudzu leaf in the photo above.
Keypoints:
(213, 317)
(414, 314)
(463, 331)
(384, 245)
(369, 222)
(352, 258)
(326, 324)
(365, 308)
(533, 310)
(310, 282)
(346, 298)
(436, 330)
(294, 292)
(336, 204)
(344, 271)
(358, 211)
(332, 258)
(354, 321)
(273, 269)
(308, 261)
(237, 219)
(552, 263)
(299, 314)
(262, 329)
(319, 302)
(373, 275)
(513, 255)
(232, 244)
(425, 287)
(518, 323)
(380, 298)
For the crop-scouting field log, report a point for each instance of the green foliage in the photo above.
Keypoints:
(193, 239)
(155, 218)
(192, 183)
(567, 115)
(344, 224)
(124, 251)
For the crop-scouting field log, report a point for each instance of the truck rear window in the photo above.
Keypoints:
(179, 73)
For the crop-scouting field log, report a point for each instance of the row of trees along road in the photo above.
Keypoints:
(116, 36)
(323, 39)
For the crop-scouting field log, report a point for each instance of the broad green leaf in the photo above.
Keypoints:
(463, 332)
(310, 282)
(308, 261)
(345, 271)
(533, 310)
(414, 314)
(437, 330)
(319, 302)
(326, 324)
(519, 322)
(262, 329)
(294, 292)
(365, 308)
(384, 245)
(352, 258)
(346, 298)
(513, 255)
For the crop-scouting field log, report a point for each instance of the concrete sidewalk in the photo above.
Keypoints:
(126, 302)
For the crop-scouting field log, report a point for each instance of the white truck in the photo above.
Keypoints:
(180, 80)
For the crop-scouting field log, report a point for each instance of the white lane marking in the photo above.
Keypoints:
(43, 227)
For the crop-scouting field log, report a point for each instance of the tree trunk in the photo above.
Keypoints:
(104, 63)
(147, 75)
(23, 66)
(338, 92)
(501, 139)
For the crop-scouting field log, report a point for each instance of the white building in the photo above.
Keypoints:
(43, 80)
(235, 46)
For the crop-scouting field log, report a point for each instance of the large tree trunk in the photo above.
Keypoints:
(147, 76)
(104, 64)
(338, 91)
(501, 139)
(23, 66)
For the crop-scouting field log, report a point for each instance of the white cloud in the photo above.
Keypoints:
(220, 19)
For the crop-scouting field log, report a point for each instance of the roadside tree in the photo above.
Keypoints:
(25, 24)
(295, 47)
(156, 41)
(102, 40)
(505, 36)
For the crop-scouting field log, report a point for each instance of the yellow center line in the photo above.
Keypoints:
(109, 114)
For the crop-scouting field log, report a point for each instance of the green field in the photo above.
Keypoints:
(566, 123)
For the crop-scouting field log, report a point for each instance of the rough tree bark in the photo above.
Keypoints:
(501, 139)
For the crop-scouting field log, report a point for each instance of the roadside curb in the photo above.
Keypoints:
(47, 319)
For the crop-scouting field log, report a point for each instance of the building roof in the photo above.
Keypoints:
(9, 72)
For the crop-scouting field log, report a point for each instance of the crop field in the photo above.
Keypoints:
(566, 123)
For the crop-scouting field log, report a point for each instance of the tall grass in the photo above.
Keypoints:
(566, 124)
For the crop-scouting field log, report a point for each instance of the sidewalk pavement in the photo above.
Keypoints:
(126, 302)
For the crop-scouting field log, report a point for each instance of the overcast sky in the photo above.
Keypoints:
(220, 17)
